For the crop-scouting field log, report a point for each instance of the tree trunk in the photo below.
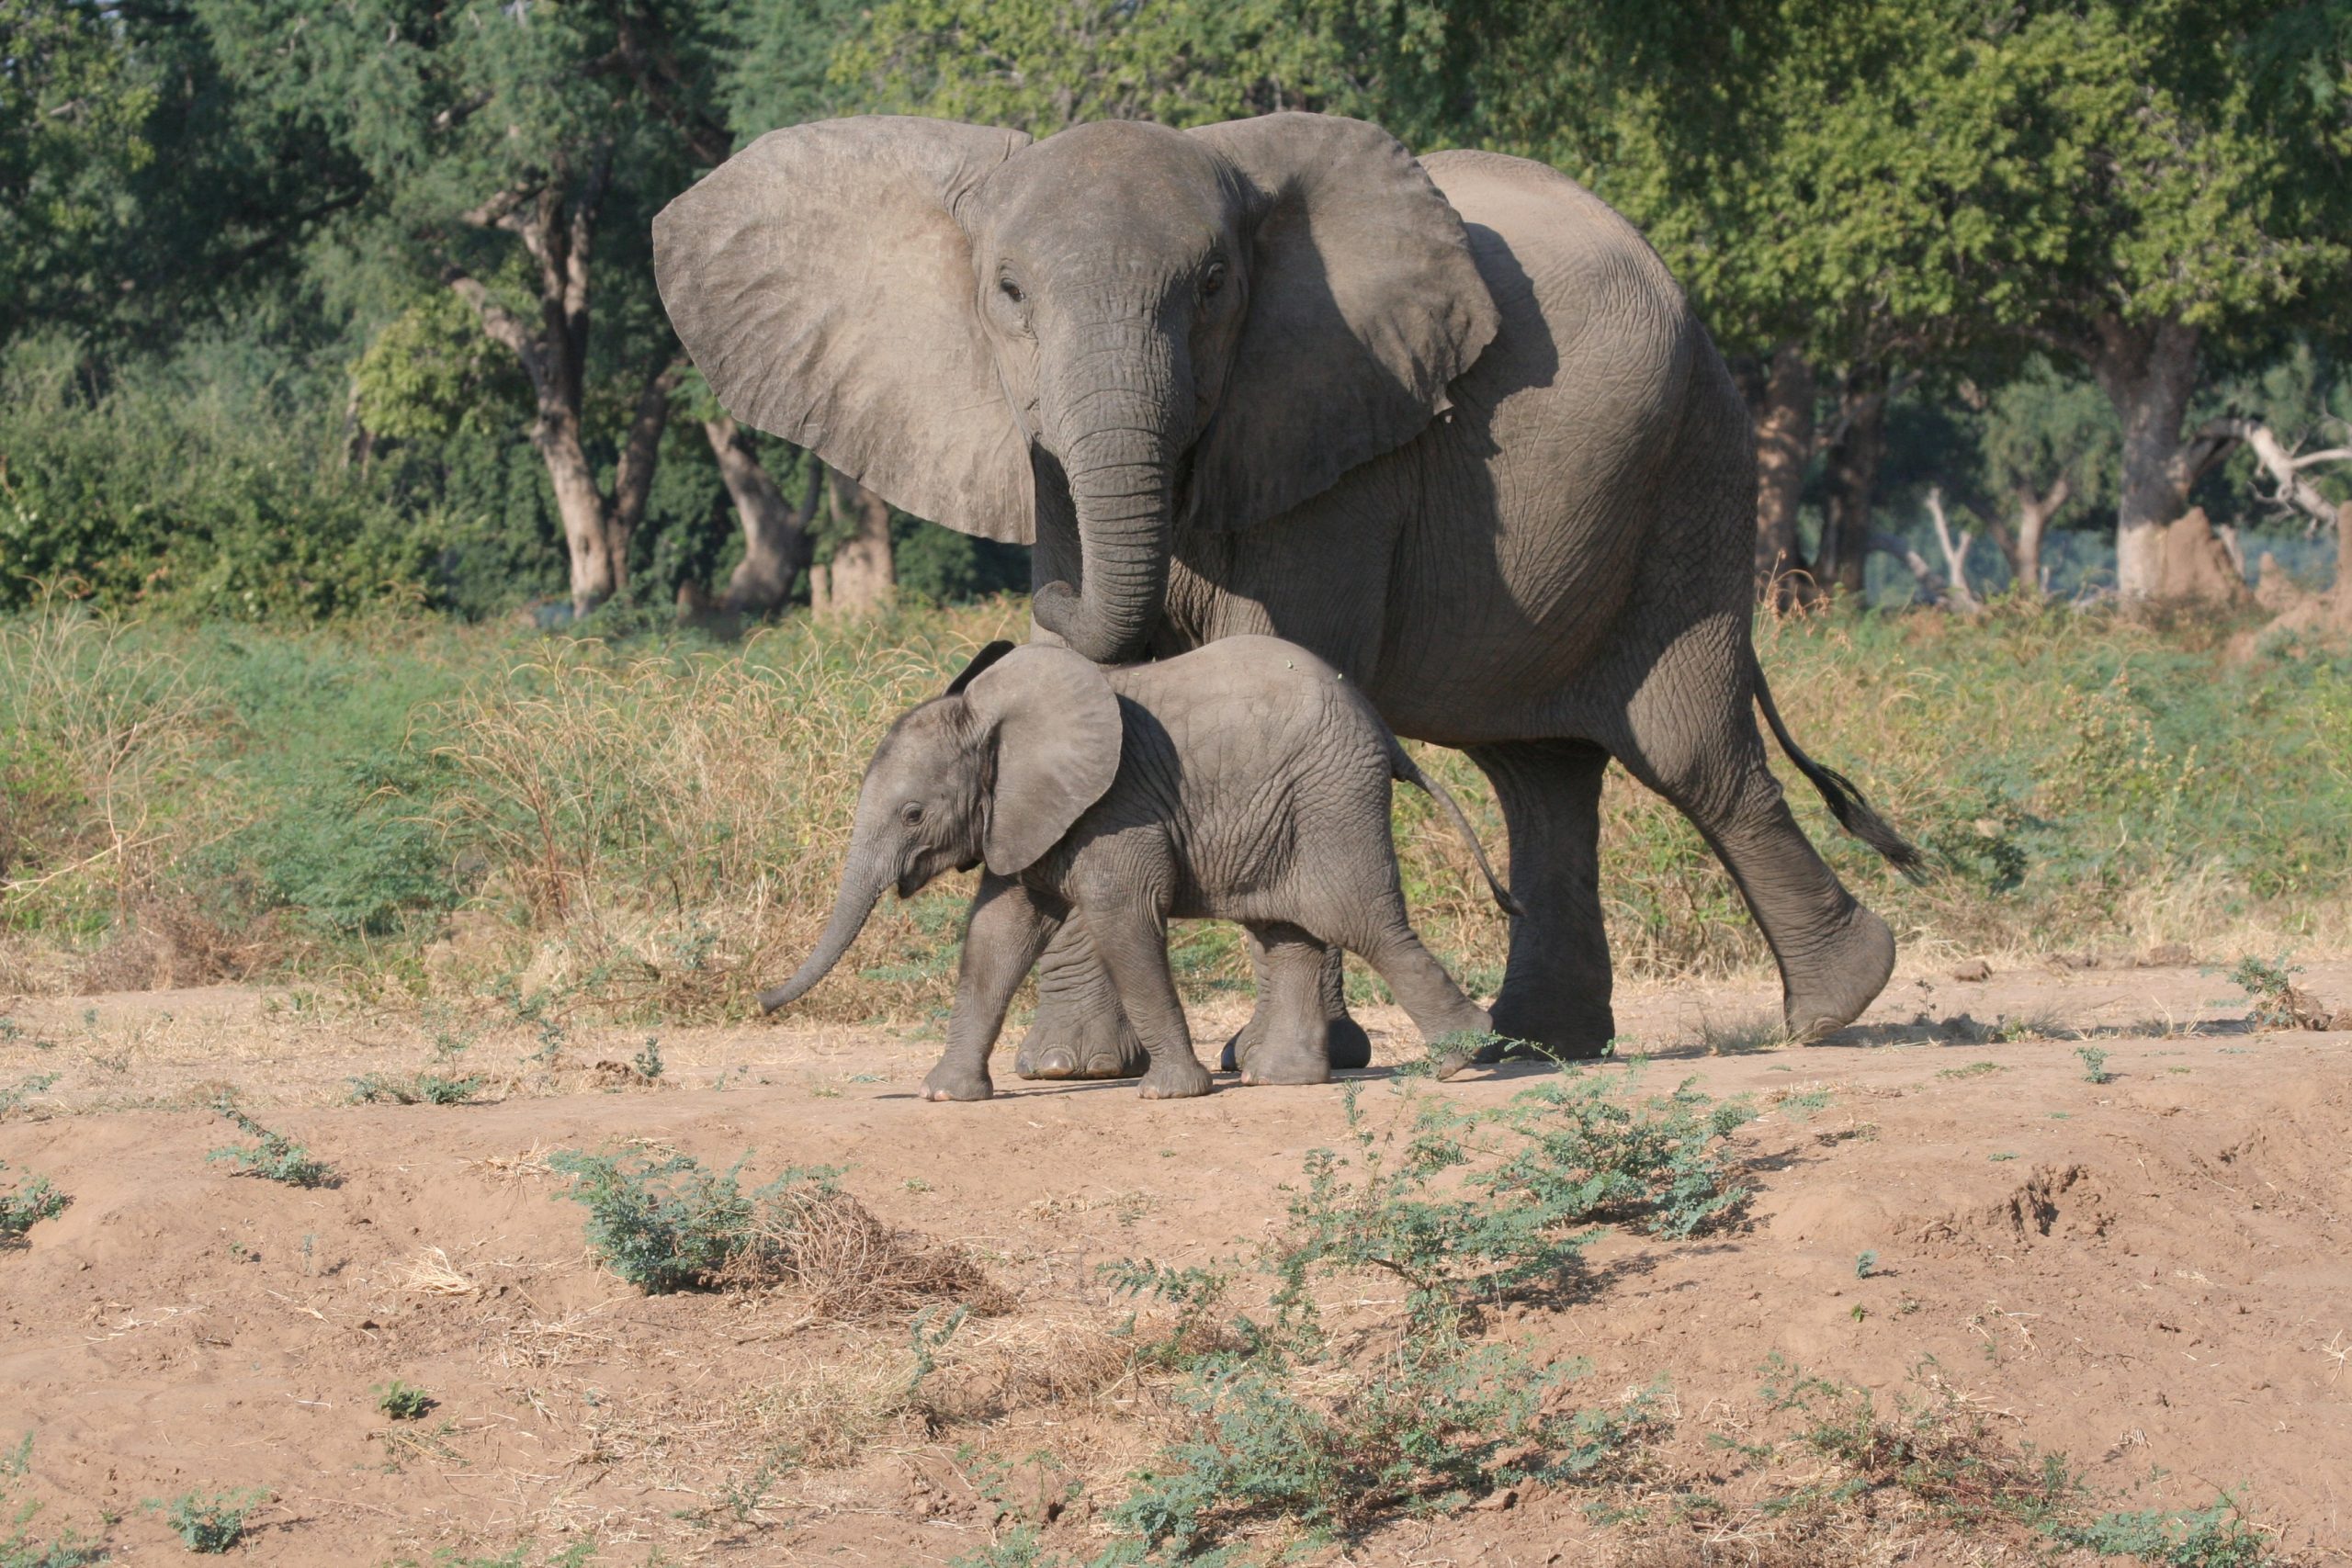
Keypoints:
(775, 535)
(1853, 480)
(2148, 372)
(596, 574)
(1783, 416)
(861, 579)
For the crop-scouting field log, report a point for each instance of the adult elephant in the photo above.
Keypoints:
(1445, 421)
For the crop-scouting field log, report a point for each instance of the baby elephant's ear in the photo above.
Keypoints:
(1056, 726)
(981, 662)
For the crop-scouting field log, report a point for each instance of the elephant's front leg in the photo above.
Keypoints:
(1556, 987)
(1008, 929)
(1277, 1025)
(1133, 943)
(1080, 1031)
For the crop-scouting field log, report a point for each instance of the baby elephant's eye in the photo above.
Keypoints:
(1012, 289)
(1213, 279)
(911, 813)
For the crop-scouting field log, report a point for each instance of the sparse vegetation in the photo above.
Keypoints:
(213, 1523)
(26, 1204)
(273, 1155)
(14, 1096)
(17, 1548)
(2275, 1000)
(2093, 1061)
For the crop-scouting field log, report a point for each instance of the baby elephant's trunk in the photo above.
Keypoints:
(1403, 768)
(861, 890)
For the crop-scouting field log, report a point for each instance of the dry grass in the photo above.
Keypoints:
(833, 1251)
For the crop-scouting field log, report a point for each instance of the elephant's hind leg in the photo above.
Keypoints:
(1694, 740)
(1556, 987)
(1286, 1040)
(1080, 1031)
(1341, 1039)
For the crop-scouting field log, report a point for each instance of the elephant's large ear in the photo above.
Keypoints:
(821, 280)
(1056, 722)
(1363, 303)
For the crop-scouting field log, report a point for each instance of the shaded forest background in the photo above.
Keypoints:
(304, 307)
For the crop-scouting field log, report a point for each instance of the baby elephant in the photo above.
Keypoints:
(1244, 781)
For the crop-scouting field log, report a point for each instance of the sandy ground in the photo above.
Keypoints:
(2150, 1275)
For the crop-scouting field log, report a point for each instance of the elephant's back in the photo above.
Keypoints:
(1560, 452)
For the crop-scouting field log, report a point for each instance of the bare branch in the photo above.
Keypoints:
(2285, 470)
(504, 325)
(1955, 554)
(633, 477)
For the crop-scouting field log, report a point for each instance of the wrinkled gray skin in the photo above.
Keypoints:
(1245, 782)
(1445, 421)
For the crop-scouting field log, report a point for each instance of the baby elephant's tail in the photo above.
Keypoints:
(1403, 768)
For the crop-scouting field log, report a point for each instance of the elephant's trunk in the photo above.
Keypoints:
(862, 885)
(1118, 441)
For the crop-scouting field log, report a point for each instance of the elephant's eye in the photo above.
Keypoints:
(1012, 289)
(1213, 279)
(911, 813)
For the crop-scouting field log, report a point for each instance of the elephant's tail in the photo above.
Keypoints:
(1404, 769)
(1837, 792)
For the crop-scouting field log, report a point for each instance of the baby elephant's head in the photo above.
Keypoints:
(996, 771)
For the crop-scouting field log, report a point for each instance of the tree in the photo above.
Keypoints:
(515, 153)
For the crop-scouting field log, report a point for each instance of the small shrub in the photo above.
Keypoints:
(275, 1157)
(2276, 1001)
(211, 1524)
(27, 1205)
(402, 1401)
(1935, 1449)
(1974, 1071)
(670, 1224)
(648, 1060)
(1865, 1263)
(2094, 1064)
(2217, 1537)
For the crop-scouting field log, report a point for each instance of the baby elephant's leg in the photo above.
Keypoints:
(1133, 943)
(1423, 988)
(1007, 930)
(1287, 1041)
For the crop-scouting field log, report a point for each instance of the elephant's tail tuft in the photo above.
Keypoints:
(1403, 768)
(1837, 792)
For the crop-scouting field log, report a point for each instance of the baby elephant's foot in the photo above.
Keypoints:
(1175, 1080)
(954, 1083)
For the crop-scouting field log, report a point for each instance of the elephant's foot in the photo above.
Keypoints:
(1175, 1080)
(1827, 986)
(946, 1083)
(1073, 1040)
(1341, 1045)
(1538, 1026)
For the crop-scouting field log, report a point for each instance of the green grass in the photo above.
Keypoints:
(658, 820)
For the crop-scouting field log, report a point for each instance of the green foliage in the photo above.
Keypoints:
(214, 1523)
(24, 1206)
(1865, 1265)
(2217, 1537)
(671, 1225)
(648, 1060)
(414, 1088)
(273, 1155)
(2094, 1063)
(402, 1401)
